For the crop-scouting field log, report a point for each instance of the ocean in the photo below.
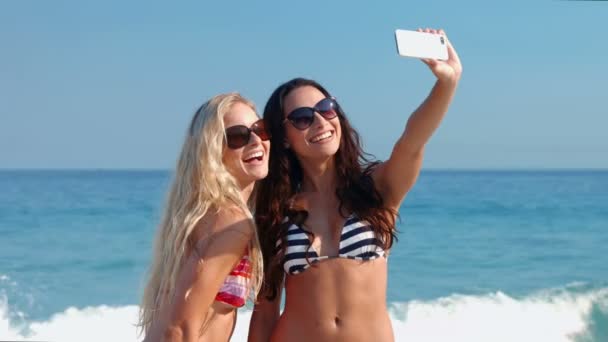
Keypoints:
(482, 255)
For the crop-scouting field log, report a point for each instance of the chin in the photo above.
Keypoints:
(258, 174)
(328, 151)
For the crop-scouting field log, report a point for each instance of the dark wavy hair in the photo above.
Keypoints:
(355, 187)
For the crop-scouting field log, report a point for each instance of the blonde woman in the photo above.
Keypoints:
(207, 258)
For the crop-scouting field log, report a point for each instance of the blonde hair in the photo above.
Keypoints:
(201, 183)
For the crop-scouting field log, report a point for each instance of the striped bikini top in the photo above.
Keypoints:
(357, 242)
(235, 289)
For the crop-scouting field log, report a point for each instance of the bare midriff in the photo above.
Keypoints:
(336, 300)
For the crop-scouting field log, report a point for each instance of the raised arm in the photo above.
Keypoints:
(396, 176)
(221, 246)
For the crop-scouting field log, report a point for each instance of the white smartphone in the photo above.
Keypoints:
(421, 44)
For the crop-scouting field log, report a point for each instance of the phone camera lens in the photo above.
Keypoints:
(442, 40)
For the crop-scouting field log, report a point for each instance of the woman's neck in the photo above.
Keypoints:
(246, 190)
(319, 177)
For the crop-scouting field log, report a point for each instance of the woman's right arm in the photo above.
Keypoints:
(216, 254)
(264, 318)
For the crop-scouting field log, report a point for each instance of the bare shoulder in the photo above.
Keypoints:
(226, 228)
(376, 172)
(393, 180)
(232, 220)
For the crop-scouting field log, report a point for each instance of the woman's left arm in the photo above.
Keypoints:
(396, 176)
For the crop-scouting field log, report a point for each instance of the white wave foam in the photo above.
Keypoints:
(545, 316)
(101, 323)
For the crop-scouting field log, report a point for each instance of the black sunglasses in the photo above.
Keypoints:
(303, 117)
(239, 135)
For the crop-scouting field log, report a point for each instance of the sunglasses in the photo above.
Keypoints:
(239, 135)
(303, 117)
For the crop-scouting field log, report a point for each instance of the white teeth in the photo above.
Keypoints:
(321, 137)
(258, 154)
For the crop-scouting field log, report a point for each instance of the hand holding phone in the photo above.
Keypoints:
(421, 44)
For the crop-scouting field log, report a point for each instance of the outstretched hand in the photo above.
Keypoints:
(448, 70)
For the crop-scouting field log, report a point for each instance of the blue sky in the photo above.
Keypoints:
(114, 84)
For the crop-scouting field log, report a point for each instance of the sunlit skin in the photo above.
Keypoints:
(193, 314)
(341, 299)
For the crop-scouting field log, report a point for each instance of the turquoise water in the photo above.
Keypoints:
(519, 251)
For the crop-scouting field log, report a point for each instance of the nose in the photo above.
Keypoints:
(254, 139)
(319, 120)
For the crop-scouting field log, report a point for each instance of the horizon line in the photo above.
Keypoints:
(432, 169)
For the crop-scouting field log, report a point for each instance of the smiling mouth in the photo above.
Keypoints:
(258, 155)
(322, 137)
